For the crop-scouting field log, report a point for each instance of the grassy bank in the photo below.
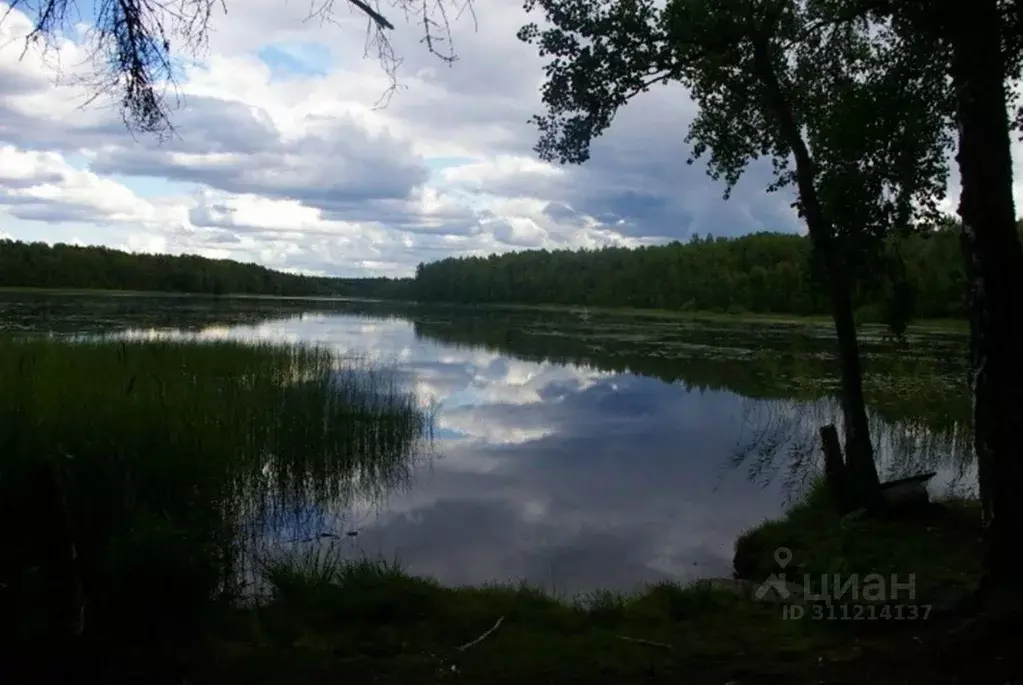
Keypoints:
(939, 547)
(371, 622)
(326, 619)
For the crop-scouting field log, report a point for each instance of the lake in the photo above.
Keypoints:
(578, 450)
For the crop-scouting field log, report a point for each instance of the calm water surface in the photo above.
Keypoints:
(579, 451)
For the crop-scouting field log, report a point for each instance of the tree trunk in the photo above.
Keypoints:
(863, 482)
(834, 469)
(859, 452)
(994, 260)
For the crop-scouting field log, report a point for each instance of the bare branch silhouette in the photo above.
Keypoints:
(132, 44)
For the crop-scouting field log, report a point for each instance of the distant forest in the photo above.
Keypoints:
(68, 266)
(762, 272)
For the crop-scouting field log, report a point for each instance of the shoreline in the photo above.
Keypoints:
(401, 628)
(928, 325)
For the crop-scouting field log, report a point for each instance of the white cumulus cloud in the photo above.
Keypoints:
(282, 157)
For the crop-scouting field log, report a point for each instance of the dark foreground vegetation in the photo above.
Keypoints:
(143, 485)
(321, 619)
(372, 623)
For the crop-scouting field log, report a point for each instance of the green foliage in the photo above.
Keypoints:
(604, 54)
(760, 273)
(874, 112)
(181, 461)
(68, 266)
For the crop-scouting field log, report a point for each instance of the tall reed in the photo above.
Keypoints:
(176, 461)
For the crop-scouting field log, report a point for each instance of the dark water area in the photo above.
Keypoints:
(574, 450)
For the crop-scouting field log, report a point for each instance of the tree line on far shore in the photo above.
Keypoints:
(39, 265)
(920, 276)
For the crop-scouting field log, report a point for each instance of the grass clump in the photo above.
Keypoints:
(168, 465)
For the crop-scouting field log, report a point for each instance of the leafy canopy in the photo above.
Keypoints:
(873, 107)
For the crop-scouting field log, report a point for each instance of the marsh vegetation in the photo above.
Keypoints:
(176, 470)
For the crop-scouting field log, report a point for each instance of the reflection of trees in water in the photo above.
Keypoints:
(766, 363)
(780, 439)
(917, 410)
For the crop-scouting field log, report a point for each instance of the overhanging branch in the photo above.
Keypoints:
(132, 50)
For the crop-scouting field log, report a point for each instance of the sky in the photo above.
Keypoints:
(283, 157)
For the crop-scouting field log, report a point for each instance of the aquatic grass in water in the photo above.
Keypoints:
(782, 437)
(180, 460)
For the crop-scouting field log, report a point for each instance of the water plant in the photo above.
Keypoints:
(169, 467)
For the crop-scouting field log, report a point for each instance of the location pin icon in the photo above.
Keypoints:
(783, 555)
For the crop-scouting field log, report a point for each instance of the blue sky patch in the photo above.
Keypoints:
(151, 186)
(289, 59)
(440, 163)
(449, 434)
(143, 186)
